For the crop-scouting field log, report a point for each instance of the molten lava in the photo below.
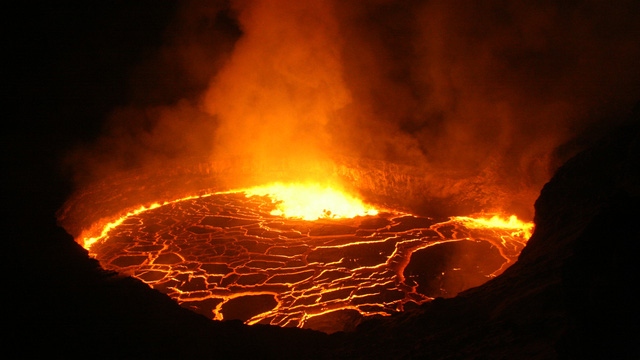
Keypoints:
(312, 201)
(519, 227)
(261, 256)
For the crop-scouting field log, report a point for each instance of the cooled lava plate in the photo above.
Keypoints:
(225, 257)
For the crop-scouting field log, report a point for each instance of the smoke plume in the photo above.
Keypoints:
(483, 99)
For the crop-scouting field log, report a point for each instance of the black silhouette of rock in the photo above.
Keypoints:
(568, 296)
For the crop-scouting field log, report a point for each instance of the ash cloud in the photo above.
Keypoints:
(486, 90)
(282, 87)
(478, 96)
(162, 122)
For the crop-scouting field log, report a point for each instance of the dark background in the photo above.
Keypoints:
(70, 64)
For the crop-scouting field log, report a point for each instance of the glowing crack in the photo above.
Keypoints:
(227, 256)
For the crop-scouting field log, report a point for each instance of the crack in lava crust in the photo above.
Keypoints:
(224, 256)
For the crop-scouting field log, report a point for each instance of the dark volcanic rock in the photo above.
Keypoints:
(244, 307)
(443, 270)
(64, 304)
(569, 294)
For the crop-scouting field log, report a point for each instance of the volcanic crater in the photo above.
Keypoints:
(225, 256)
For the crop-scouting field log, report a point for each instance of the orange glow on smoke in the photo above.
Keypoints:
(312, 201)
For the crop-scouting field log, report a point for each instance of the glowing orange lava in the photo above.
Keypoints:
(312, 201)
(520, 228)
(255, 256)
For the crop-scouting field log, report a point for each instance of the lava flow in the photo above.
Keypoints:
(252, 255)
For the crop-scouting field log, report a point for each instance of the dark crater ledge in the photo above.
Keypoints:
(568, 296)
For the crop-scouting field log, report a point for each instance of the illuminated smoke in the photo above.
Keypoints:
(482, 99)
(280, 92)
(481, 95)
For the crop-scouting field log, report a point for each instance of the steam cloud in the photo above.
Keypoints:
(483, 97)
